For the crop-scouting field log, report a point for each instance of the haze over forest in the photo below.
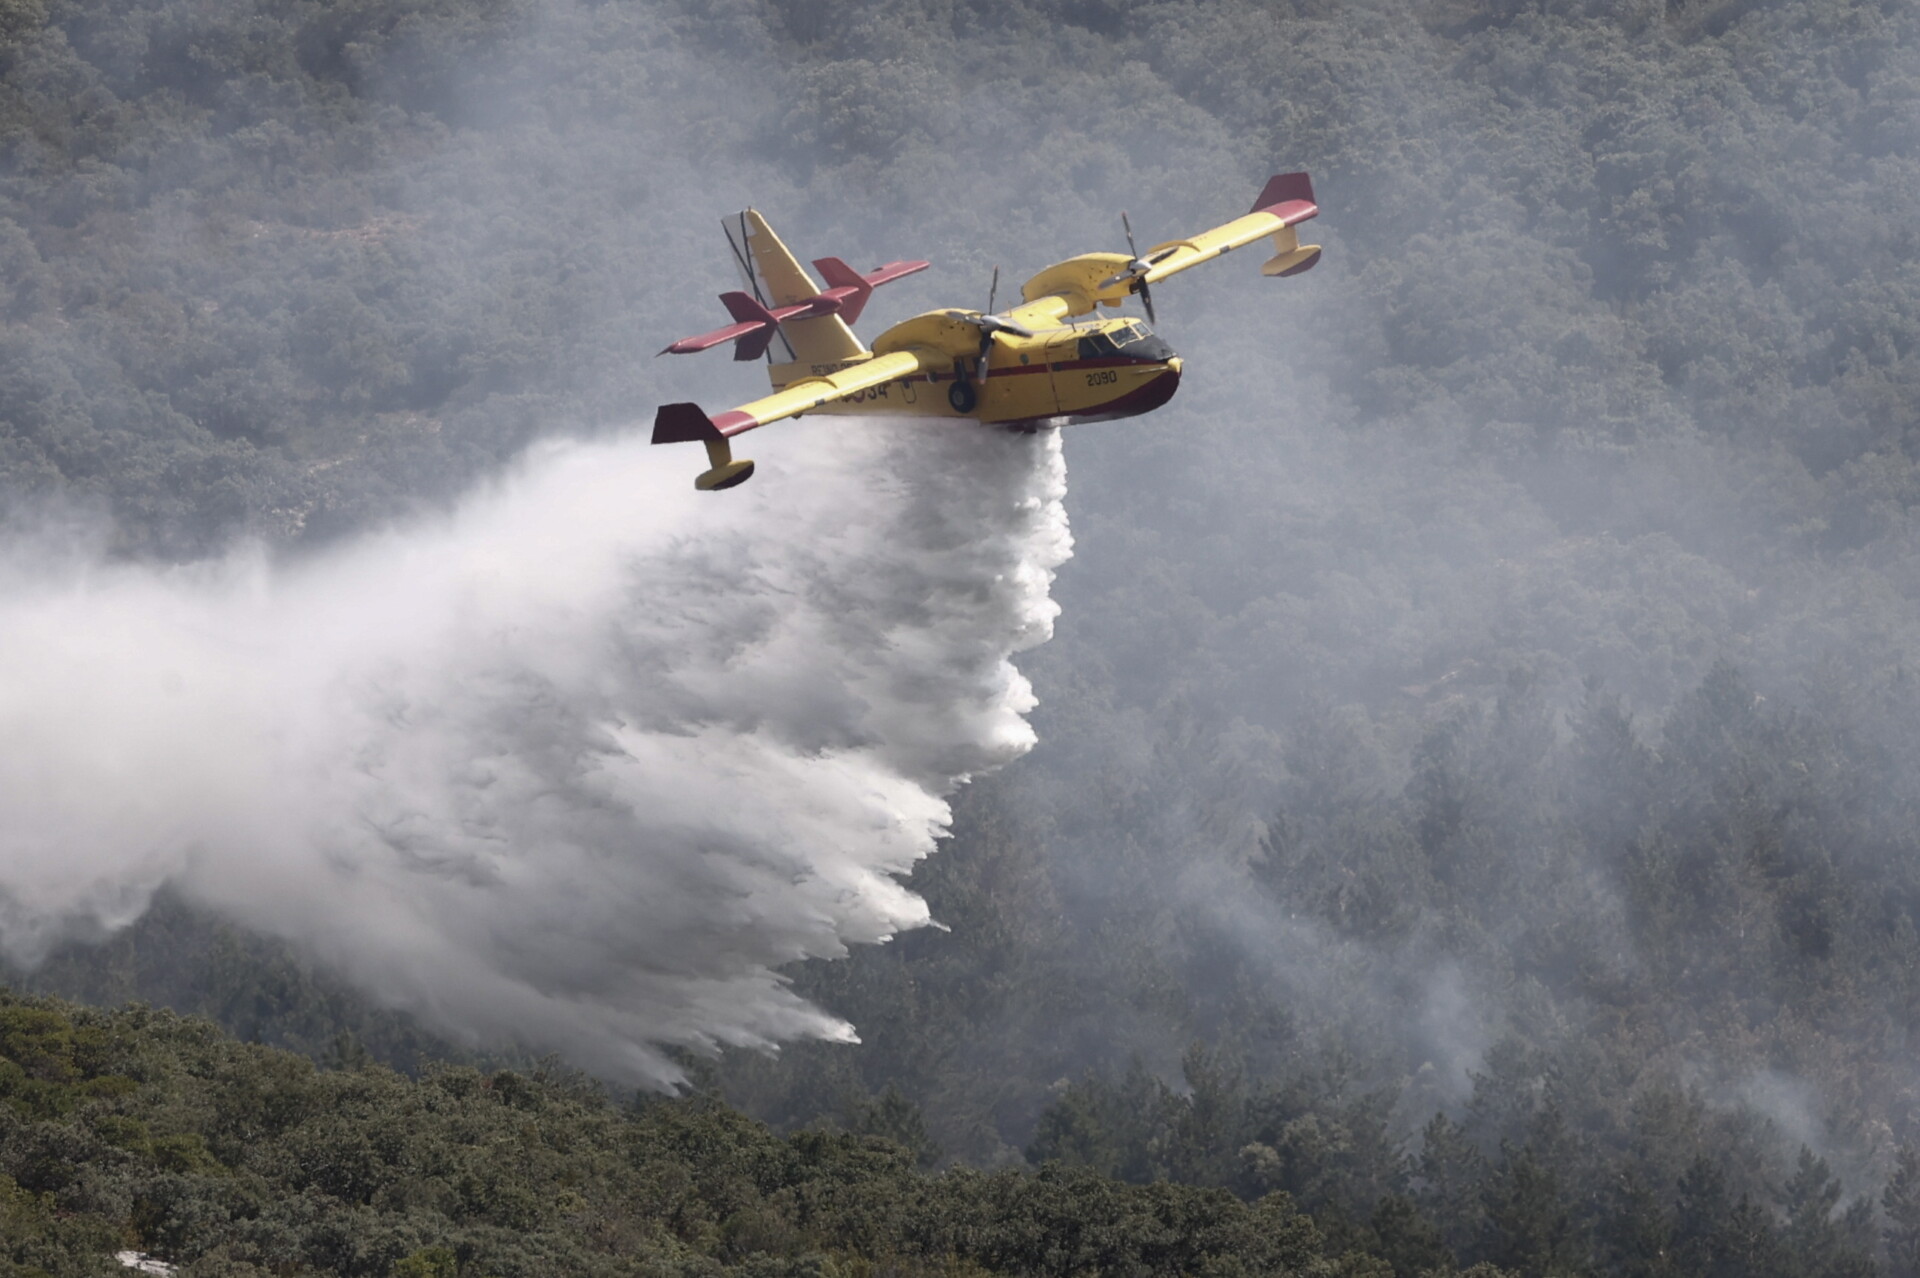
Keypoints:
(1476, 787)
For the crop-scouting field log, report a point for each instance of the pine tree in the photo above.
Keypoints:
(1749, 1245)
(1407, 1238)
(1701, 1204)
(893, 1117)
(1448, 1172)
(1901, 1201)
(1528, 1225)
(1635, 1235)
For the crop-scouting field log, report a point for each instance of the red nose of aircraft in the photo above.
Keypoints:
(1150, 394)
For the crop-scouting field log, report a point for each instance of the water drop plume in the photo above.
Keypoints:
(574, 768)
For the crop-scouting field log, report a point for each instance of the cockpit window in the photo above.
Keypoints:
(1132, 339)
(1098, 346)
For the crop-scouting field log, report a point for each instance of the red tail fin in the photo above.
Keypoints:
(846, 296)
(839, 275)
(853, 288)
(753, 344)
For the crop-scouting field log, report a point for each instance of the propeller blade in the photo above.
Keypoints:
(989, 324)
(986, 349)
(993, 290)
(1137, 269)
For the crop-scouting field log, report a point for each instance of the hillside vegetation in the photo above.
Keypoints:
(142, 1129)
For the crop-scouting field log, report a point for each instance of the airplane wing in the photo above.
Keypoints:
(1092, 280)
(685, 423)
(1286, 202)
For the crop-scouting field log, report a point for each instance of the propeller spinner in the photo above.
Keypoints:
(1137, 270)
(989, 325)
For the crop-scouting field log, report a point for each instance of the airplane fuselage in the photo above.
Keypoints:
(1095, 370)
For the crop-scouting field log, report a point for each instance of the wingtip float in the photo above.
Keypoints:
(1036, 364)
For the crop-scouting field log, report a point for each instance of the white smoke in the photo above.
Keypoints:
(574, 768)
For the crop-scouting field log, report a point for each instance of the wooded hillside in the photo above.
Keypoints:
(143, 1129)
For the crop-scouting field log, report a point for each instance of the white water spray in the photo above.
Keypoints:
(575, 768)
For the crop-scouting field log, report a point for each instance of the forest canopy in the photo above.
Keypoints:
(145, 1128)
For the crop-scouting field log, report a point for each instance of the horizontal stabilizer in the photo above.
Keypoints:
(894, 270)
(757, 324)
(732, 332)
(846, 296)
(1289, 197)
(852, 288)
(750, 335)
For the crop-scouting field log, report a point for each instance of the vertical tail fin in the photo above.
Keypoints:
(838, 274)
(775, 279)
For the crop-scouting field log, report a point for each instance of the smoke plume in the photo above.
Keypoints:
(576, 767)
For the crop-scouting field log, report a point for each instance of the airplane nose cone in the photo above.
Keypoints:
(1154, 392)
(1167, 383)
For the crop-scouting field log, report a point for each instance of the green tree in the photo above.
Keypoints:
(1900, 1200)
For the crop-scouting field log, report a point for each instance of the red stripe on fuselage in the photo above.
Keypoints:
(1064, 366)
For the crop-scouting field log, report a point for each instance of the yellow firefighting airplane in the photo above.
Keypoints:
(1036, 364)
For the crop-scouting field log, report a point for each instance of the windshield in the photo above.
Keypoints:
(1098, 346)
(1131, 339)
